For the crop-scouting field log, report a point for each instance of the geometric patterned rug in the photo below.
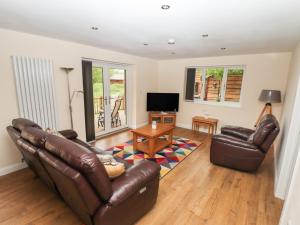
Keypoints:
(167, 158)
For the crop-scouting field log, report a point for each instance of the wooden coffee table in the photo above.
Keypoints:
(153, 143)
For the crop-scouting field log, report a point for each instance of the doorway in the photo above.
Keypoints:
(109, 97)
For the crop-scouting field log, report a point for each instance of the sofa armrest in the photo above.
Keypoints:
(236, 131)
(233, 141)
(69, 134)
(135, 179)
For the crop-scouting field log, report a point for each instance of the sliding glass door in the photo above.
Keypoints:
(98, 98)
(109, 93)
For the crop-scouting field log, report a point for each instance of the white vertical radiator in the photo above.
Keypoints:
(35, 90)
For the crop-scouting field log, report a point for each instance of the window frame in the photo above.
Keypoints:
(222, 101)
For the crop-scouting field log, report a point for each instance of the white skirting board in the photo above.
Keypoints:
(12, 168)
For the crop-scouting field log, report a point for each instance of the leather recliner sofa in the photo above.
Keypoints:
(71, 168)
(241, 148)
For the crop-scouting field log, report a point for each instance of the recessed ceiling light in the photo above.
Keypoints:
(204, 35)
(146, 44)
(94, 28)
(171, 41)
(223, 48)
(165, 7)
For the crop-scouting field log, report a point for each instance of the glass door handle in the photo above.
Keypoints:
(105, 100)
(110, 98)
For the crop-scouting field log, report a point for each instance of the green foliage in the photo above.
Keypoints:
(217, 72)
(97, 90)
(238, 72)
(97, 75)
(115, 90)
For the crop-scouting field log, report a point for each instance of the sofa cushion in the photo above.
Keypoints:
(73, 187)
(34, 135)
(233, 141)
(69, 134)
(236, 131)
(21, 123)
(13, 133)
(82, 160)
(54, 132)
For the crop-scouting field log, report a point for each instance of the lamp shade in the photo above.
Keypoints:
(270, 96)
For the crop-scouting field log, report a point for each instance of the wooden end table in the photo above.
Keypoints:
(153, 143)
(211, 123)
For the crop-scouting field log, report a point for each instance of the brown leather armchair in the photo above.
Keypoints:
(241, 148)
(71, 168)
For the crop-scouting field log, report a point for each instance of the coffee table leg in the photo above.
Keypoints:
(170, 138)
(151, 147)
(134, 141)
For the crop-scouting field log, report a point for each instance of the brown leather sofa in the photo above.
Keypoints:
(71, 168)
(241, 148)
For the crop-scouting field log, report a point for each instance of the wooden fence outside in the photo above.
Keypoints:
(213, 88)
(99, 104)
(233, 88)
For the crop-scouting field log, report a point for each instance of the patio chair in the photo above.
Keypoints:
(115, 117)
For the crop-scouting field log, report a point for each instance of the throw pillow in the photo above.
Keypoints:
(113, 168)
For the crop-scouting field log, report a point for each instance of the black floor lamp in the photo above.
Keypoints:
(269, 97)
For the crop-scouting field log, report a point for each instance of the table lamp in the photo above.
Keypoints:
(269, 97)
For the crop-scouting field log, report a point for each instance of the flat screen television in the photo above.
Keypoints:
(167, 102)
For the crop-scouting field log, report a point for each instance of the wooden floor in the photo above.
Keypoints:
(194, 193)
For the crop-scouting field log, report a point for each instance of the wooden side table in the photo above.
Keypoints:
(211, 123)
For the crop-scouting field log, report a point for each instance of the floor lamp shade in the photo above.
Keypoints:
(270, 96)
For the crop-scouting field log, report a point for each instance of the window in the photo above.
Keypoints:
(221, 84)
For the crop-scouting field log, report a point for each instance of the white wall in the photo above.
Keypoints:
(286, 151)
(290, 213)
(63, 53)
(263, 71)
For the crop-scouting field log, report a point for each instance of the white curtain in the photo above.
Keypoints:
(35, 90)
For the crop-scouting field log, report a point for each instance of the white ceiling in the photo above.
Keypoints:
(242, 26)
